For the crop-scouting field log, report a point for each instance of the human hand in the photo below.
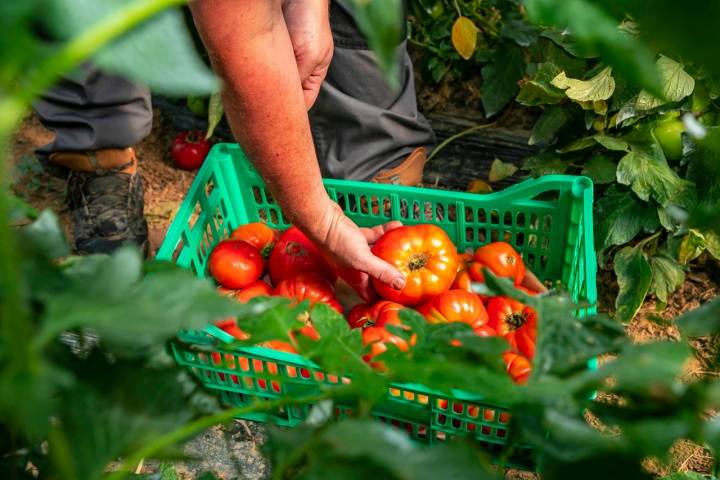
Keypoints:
(531, 282)
(347, 248)
(309, 26)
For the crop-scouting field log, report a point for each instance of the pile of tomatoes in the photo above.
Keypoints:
(438, 280)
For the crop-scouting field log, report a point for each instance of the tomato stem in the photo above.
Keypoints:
(418, 261)
(516, 320)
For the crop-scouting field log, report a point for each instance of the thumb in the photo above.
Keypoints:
(383, 271)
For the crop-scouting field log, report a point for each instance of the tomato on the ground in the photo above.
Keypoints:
(294, 253)
(455, 306)
(518, 367)
(514, 321)
(189, 150)
(235, 264)
(501, 259)
(425, 255)
(308, 286)
(257, 234)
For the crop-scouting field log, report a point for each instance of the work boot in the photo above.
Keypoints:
(105, 196)
(408, 173)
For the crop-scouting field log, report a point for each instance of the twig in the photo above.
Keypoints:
(451, 139)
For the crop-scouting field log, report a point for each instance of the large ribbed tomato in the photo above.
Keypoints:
(518, 367)
(257, 289)
(425, 255)
(462, 279)
(375, 334)
(356, 318)
(258, 235)
(294, 253)
(308, 286)
(514, 321)
(455, 306)
(501, 259)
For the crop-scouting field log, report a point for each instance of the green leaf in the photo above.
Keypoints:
(545, 163)
(702, 321)
(578, 145)
(667, 276)
(464, 37)
(595, 31)
(159, 53)
(500, 170)
(691, 246)
(620, 217)
(599, 87)
(215, 113)
(520, 32)
(646, 171)
(600, 169)
(677, 84)
(168, 472)
(634, 277)
(500, 78)
(538, 90)
(45, 235)
(712, 243)
(381, 22)
(552, 119)
(687, 476)
(612, 143)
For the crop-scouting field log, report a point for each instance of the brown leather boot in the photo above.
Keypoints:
(105, 196)
(408, 173)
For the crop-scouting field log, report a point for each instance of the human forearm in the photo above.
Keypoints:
(251, 51)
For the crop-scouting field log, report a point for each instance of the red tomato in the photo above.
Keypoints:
(358, 315)
(514, 321)
(462, 279)
(189, 150)
(425, 255)
(485, 331)
(518, 367)
(235, 264)
(501, 259)
(258, 235)
(279, 345)
(308, 286)
(294, 253)
(455, 306)
(375, 334)
(255, 289)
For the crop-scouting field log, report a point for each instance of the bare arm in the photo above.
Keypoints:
(252, 52)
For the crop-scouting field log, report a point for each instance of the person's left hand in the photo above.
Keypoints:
(308, 23)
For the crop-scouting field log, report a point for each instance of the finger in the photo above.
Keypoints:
(373, 234)
(383, 271)
(531, 282)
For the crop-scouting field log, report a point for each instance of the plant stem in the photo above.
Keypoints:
(449, 140)
(457, 7)
(192, 428)
(652, 237)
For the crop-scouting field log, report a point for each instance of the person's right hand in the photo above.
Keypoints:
(347, 247)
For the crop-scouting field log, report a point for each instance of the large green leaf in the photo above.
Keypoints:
(500, 78)
(646, 171)
(546, 163)
(45, 235)
(677, 84)
(595, 30)
(538, 90)
(552, 119)
(702, 321)
(667, 276)
(600, 169)
(620, 217)
(599, 87)
(634, 277)
(159, 53)
(520, 32)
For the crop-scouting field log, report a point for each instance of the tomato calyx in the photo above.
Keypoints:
(194, 137)
(516, 320)
(418, 261)
(295, 249)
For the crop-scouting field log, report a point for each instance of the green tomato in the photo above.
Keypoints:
(700, 99)
(669, 134)
(198, 106)
(437, 10)
(708, 119)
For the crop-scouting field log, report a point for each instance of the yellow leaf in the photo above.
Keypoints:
(599, 87)
(464, 37)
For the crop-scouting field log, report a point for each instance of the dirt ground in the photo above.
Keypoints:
(165, 187)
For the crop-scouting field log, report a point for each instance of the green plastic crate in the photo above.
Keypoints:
(548, 220)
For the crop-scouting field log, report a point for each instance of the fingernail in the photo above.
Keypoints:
(398, 283)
